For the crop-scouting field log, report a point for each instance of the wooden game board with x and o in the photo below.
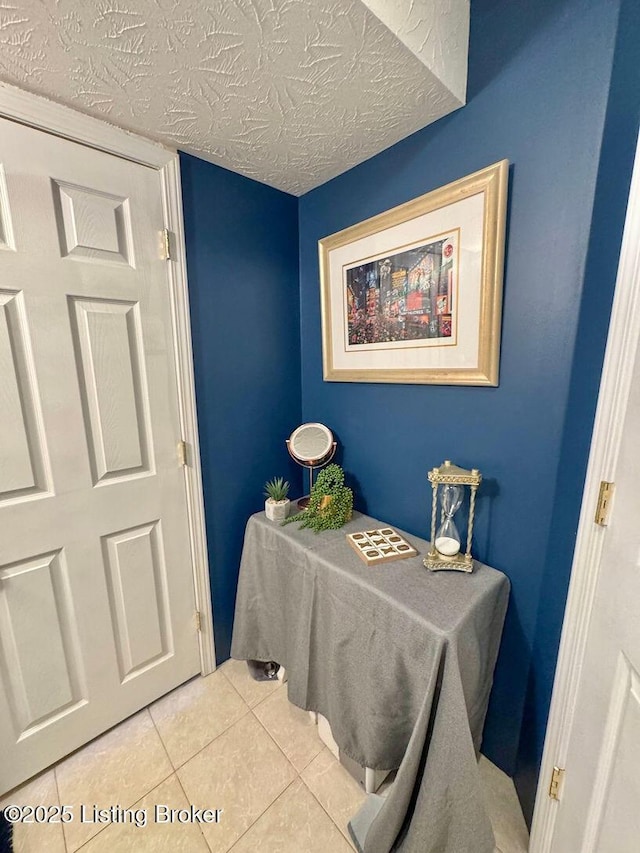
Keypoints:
(380, 546)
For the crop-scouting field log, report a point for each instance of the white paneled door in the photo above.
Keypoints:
(96, 581)
(599, 808)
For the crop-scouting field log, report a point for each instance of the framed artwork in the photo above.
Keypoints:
(414, 295)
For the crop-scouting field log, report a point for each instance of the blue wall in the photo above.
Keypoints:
(612, 189)
(554, 86)
(242, 260)
(539, 76)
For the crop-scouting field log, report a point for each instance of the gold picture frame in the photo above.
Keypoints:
(414, 295)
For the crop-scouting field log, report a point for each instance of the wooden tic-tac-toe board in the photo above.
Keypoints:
(380, 546)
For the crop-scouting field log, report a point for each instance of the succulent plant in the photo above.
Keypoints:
(276, 489)
(323, 514)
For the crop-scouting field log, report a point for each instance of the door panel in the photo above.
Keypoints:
(614, 822)
(93, 225)
(113, 387)
(6, 228)
(96, 580)
(39, 641)
(24, 470)
(136, 572)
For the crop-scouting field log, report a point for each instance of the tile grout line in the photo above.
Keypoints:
(249, 710)
(129, 806)
(174, 768)
(262, 813)
(274, 739)
(335, 822)
(55, 781)
(301, 771)
(186, 761)
(213, 740)
(57, 787)
(175, 771)
(298, 776)
(264, 698)
(135, 803)
(262, 725)
(188, 799)
(237, 692)
(280, 793)
(164, 746)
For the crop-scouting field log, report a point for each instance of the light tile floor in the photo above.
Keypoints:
(222, 742)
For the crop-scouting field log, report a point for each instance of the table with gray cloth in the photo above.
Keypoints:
(399, 660)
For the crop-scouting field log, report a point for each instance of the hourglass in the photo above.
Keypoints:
(445, 543)
(447, 539)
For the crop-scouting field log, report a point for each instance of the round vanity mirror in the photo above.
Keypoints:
(311, 445)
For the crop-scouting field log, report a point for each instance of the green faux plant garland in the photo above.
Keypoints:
(337, 512)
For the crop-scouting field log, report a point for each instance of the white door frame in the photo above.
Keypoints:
(622, 344)
(40, 113)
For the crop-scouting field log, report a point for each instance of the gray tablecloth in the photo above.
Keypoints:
(399, 660)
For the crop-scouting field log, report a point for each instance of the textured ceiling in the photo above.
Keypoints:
(289, 92)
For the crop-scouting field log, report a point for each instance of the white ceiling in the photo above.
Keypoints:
(289, 92)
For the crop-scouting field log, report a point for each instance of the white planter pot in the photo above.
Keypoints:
(277, 510)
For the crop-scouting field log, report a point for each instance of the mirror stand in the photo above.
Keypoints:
(312, 465)
(311, 445)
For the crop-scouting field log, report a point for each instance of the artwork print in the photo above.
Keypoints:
(405, 296)
(414, 294)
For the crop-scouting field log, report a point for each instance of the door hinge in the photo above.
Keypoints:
(556, 780)
(166, 244)
(198, 619)
(604, 503)
(182, 452)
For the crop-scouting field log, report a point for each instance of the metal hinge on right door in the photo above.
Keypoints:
(556, 781)
(604, 503)
(166, 244)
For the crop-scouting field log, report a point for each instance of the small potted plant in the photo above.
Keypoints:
(277, 503)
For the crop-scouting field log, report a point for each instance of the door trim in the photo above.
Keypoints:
(46, 115)
(615, 386)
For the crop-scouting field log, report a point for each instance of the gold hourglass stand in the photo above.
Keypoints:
(449, 474)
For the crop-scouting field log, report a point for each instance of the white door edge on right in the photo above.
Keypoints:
(593, 730)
